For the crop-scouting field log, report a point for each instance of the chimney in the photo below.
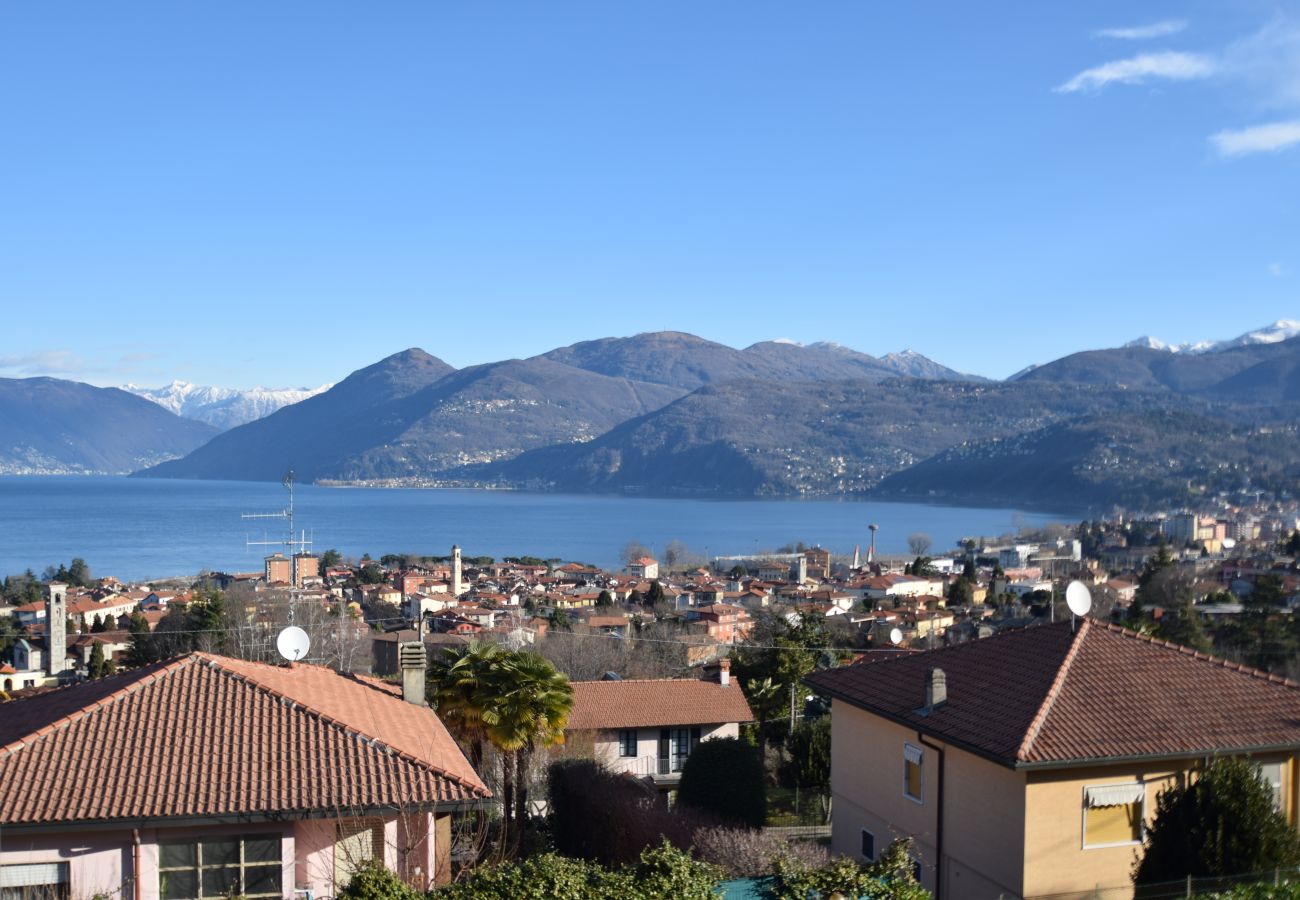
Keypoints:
(56, 628)
(411, 660)
(724, 672)
(456, 587)
(936, 689)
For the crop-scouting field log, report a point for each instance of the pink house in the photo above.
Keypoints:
(206, 776)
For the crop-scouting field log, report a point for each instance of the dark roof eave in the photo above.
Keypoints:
(1023, 765)
(266, 817)
(1032, 766)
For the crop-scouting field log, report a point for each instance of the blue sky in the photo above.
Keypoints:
(279, 193)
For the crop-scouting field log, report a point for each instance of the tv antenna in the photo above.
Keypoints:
(293, 643)
(1079, 599)
(294, 542)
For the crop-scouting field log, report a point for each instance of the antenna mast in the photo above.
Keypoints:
(294, 542)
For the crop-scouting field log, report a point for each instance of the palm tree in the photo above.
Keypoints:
(531, 708)
(764, 698)
(460, 686)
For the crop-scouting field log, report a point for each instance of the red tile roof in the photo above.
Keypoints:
(652, 703)
(1046, 696)
(211, 736)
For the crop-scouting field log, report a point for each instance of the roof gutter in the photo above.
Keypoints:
(264, 818)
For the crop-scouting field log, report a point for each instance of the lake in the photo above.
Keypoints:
(137, 529)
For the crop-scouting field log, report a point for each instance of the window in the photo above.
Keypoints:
(1113, 814)
(912, 783)
(356, 843)
(868, 846)
(34, 881)
(220, 866)
(627, 742)
(1272, 773)
(675, 745)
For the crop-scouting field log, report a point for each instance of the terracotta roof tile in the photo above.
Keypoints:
(652, 703)
(211, 736)
(1046, 695)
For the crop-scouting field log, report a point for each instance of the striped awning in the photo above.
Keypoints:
(1114, 795)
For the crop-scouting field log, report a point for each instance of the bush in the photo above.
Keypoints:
(1221, 821)
(724, 778)
(750, 853)
(889, 878)
(372, 881)
(661, 872)
(611, 819)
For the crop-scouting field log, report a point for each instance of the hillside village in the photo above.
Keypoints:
(664, 656)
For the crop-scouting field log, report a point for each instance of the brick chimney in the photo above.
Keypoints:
(936, 689)
(411, 660)
(56, 628)
(724, 672)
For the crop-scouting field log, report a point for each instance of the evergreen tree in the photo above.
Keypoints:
(1146, 596)
(1223, 820)
(1185, 627)
(98, 666)
(655, 595)
(605, 599)
(724, 777)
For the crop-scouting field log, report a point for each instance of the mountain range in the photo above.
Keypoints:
(669, 413)
(222, 408)
(49, 426)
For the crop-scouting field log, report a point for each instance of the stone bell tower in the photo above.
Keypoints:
(56, 628)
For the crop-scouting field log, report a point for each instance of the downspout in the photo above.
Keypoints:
(939, 817)
(135, 861)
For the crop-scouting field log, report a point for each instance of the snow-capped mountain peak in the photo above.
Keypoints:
(1281, 330)
(222, 407)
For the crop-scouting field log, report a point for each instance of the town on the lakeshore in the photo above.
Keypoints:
(944, 714)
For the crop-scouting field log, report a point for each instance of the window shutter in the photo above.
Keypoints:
(33, 874)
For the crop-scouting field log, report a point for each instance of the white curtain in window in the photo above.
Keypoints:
(912, 754)
(1115, 795)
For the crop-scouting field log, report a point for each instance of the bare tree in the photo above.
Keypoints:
(919, 543)
(584, 656)
(632, 550)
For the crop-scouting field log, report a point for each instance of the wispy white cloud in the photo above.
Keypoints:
(1277, 270)
(1170, 65)
(1268, 63)
(1268, 138)
(61, 362)
(1144, 32)
(43, 362)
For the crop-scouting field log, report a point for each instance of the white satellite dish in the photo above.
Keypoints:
(293, 643)
(1078, 598)
(895, 637)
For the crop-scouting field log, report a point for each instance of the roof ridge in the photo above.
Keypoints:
(1210, 658)
(213, 662)
(647, 681)
(1049, 700)
(128, 688)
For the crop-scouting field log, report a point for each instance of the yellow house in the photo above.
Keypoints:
(1028, 764)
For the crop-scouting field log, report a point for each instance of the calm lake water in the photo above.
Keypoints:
(148, 528)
